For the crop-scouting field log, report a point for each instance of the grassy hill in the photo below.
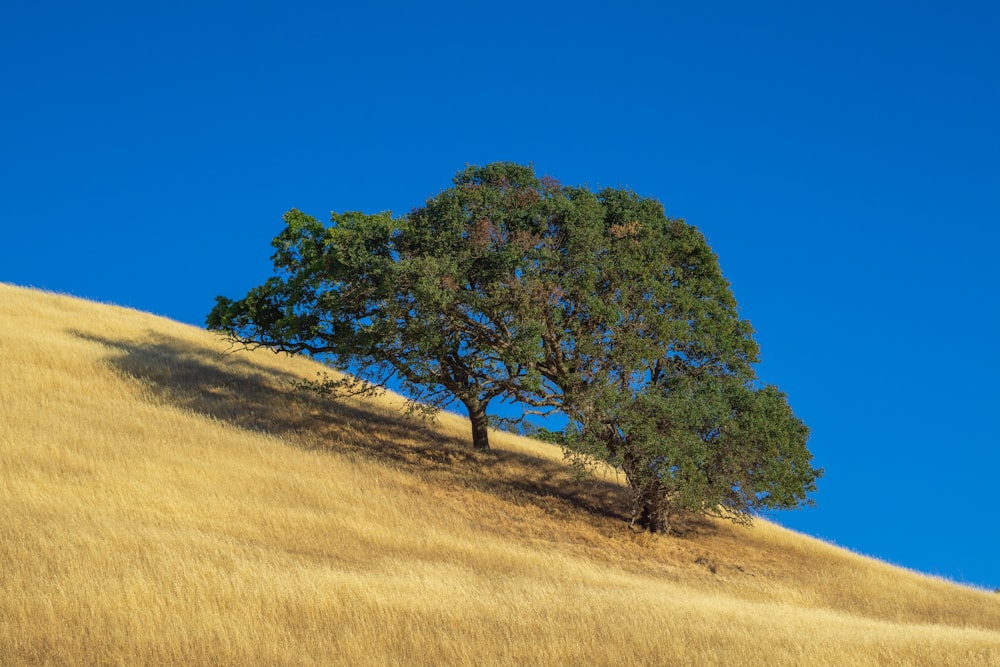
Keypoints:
(163, 502)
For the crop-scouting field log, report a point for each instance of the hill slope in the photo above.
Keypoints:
(166, 503)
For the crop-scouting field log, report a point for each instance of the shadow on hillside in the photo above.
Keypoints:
(231, 388)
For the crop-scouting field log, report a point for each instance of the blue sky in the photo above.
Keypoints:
(841, 158)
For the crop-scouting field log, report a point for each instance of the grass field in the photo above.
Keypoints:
(163, 502)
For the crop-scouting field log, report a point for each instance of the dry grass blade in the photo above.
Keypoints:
(167, 503)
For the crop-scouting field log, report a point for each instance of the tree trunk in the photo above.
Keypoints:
(480, 424)
(651, 515)
(649, 511)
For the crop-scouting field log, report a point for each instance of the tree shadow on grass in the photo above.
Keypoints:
(231, 388)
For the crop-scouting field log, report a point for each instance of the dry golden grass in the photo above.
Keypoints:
(164, 503)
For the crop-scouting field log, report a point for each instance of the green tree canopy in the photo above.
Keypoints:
(592, 304)
(425, 298)
(643, 349)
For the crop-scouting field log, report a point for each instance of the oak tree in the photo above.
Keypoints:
(424, 299)
(594, 305)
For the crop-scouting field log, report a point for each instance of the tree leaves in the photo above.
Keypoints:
(595, 305)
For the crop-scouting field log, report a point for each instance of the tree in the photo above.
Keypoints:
(594, 305)
(644, 351)
(425, 298)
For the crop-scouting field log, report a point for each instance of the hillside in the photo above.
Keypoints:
(164, 502)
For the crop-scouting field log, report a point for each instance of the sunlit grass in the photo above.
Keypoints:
(166, 503)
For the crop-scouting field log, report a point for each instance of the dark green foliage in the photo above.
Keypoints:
(595, 305)
(649, 359)
(424, 298)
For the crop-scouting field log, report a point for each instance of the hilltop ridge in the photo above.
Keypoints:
(170, 501)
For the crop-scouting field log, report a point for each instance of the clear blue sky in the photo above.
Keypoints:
(842, 159)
